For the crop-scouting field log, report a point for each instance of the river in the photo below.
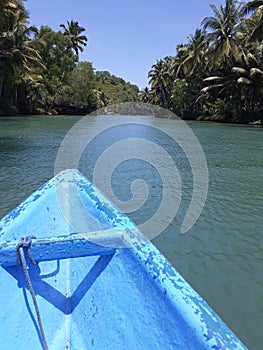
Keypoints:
(221, 256)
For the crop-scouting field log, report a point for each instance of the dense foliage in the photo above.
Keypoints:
(218, 73)
(40, 71)
(112, 90)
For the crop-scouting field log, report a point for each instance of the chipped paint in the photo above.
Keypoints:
(132, 299)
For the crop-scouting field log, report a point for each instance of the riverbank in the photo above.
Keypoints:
(111, 111)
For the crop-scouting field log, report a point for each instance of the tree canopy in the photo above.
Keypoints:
(40, 70)
(218, 73)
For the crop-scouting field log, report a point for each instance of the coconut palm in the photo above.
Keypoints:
(251, 6)
(224, 75)
(73, 31)
(7, 10)
(160, 81)
(17, 56)
(191, 58)
(222, 29)
(145, 95)
(250, 79)
(256, 8)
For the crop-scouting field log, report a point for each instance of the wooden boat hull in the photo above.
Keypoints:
(108, 289)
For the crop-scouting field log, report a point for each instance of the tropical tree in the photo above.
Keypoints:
(159, 79)
(145, 95)
(256, 8)
(60, 62)
(188, 68)
(251, 83)
(82, 82)
(249, 77)
(110, 89)
(222, 29)
(17, 56)
(218, 73)
(73, 31)
(191, 58)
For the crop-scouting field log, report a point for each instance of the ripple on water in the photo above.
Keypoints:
(221, 256)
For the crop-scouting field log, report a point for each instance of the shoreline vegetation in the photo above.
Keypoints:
(217, 75)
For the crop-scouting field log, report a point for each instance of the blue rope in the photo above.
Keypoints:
(25, 243)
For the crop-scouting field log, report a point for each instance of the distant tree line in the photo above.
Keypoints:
(218, 73)
(40, 71)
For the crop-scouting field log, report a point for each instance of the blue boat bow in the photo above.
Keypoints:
(99, 283)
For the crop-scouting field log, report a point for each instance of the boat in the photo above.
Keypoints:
(76, 273)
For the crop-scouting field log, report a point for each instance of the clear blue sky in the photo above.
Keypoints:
(125, 37)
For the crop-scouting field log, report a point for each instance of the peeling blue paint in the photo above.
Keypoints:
(132, 299)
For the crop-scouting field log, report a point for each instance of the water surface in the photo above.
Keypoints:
(221, 256)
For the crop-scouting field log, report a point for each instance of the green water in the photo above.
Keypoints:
(221, 256)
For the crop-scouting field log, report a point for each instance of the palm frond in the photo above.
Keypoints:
(245, 81)
(215, 78)
(211, 87)
(240, 71)
(256, 72)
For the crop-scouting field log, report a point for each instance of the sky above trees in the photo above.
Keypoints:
(125, 37)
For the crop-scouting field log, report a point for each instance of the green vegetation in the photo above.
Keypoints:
(112, 90)
(218, 73)
(40, 71)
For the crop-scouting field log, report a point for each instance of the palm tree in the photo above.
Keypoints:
(17, 56)
(160, 81)
(7, 10)
(188, 68)
(224, 44)
(73, 31)
(220, 66)
(249, 77)
(191, 58)
(252, 6)
(145, 95)
(256, 7)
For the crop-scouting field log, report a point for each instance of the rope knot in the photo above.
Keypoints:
(24, 242)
